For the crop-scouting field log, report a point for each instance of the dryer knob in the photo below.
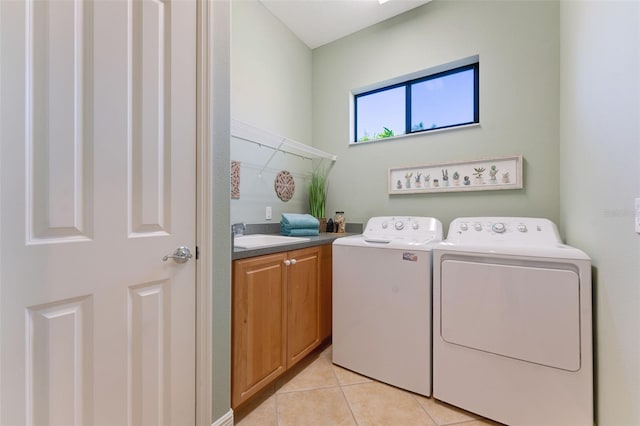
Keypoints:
(498, 228)
(477, 226)
(384, 225)
(399, 225)
(522, 227)
(415, 225)
(464, 226)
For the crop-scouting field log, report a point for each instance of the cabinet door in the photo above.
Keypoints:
(303, 307)
(326, 282)
(259, 324)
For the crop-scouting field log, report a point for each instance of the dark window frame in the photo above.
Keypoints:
(408, 84)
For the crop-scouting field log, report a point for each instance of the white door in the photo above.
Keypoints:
(97, 178)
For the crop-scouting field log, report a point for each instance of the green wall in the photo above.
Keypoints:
(270, 89)
(519, 60)
(600, 163)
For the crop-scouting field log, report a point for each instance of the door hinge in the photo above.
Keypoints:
(197, 252)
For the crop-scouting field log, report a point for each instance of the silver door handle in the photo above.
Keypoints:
(180, 255)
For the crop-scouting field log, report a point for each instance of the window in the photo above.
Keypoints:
(442, 99)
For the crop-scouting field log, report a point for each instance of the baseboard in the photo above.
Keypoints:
(225, 420)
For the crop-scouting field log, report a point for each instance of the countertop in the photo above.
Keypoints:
(322, 239)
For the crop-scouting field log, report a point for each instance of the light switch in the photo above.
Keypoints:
(267, 213)
(637, 215)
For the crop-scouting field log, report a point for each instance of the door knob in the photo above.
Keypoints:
(180, 255)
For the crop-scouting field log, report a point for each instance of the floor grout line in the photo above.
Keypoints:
(307, 389)
(415, 398)
(275, 405)
(277, 392)
(346, 400)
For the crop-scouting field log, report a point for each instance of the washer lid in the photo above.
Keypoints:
(397, 232)
(385, 243)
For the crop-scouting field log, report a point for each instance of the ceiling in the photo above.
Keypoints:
(318, 22)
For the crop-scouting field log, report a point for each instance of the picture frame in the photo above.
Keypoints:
(235, 180)
(485, 174)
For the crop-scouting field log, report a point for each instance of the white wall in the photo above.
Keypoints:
(270, 89)
(600, 177)
(519, 61)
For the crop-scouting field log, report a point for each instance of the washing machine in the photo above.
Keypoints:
(382, 301)
(512, 321)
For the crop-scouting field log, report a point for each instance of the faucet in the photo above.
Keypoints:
(238, 229)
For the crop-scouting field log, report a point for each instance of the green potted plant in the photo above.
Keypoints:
(318, 198)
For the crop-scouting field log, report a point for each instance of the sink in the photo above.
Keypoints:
(255, 241)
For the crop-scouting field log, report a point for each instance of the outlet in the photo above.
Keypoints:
(637, 215)
(267, 213)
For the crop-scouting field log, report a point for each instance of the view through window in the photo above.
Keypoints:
(441, 100)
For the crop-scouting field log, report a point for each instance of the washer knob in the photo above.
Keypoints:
(384, 225)
(498, 228)
(415, 225)
(464, 226)
(522, 227)
(399, 225)
(477, 226)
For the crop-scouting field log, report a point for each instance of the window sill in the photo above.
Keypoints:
(412, 135)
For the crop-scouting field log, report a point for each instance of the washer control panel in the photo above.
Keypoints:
(408, 228)
(503, 229)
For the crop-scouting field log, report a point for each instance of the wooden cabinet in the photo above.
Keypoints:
(326, 302)
(303, 303)
(278, 316)
(259, 324)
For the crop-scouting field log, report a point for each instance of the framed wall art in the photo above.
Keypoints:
(485, 174)
(235, 180)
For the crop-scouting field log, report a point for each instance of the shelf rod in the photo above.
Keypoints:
(239, 130)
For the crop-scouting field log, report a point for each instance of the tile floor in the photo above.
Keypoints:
(319, 393)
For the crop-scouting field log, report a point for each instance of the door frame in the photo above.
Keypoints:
(204, 273)
(212, 135)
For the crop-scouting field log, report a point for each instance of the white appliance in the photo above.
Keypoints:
(382, 301)
(512, 322)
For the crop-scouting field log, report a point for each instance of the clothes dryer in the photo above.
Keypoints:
(512, 322)
(382, 301)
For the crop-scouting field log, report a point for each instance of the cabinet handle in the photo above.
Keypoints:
(293, 261)
(287, 262)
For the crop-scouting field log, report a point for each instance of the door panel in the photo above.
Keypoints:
(97, 184)
(523, 312)
(259, 321)
(57, 97)
(303, 308)
(58, 361)
(150, 146)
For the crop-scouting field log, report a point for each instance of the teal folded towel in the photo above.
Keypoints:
(300, 232)
(299, 221)
(287, 228)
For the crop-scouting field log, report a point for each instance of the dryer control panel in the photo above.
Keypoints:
(520, 230)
